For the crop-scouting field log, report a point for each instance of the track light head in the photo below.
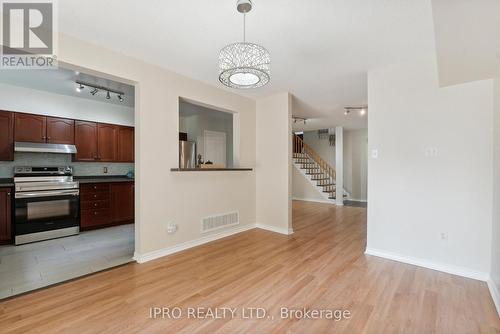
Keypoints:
(120, 98)
(108, 96)
(79, 88)
(94, 91)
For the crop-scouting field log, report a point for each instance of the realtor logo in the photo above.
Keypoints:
(28, 35)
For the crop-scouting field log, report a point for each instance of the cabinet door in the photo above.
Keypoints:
(5, 206)
(6, 136)
(60, 130)
(122, 201)
(107, 142)
(126, 144)
(86, 141)
(30, 128)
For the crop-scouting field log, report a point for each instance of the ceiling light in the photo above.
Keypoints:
(346, 112)
(362, 112)
(94, 91)
(120, 98)
(79, 88)
(242, 64)
(108, 96)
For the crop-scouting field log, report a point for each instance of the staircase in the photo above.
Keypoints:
(318, 171)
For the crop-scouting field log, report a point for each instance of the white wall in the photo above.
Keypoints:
(413, 197)
(274, 162)
(302, 189)
(356, 163)
(321, 146)
(163, 196)
(15, 98)
(495, 256)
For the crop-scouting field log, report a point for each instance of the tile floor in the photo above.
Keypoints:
(32, 266)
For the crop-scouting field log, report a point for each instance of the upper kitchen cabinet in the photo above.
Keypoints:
(126, 144)
(107, 142)
(43, 129)
(6, 136)
(30, 128)
(86, 141)
(60, 130)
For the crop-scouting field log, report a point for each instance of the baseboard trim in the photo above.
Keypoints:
(312, 200)
(275, 229)
(141, 258)
(356, 200)
(450, 269)
(495, 294)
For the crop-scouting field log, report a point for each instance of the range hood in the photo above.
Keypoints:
(44, 148)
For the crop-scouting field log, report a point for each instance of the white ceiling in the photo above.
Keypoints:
(62, 81)
(321, 50)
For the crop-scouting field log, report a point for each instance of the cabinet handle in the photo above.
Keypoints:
(8, 194)
(95, 213)
(43, 137)
(95, 187)
(95, 204)
(95, 196)
(48, 138)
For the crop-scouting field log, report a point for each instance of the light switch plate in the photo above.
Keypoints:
(375, 154)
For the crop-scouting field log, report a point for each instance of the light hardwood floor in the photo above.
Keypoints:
(321, 266)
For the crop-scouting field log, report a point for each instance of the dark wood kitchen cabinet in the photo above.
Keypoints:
(60, 130)
(106, 204)
(125, 144)
(107, 142)
(30, 128)
(122, 201)
(44, 129)
(6, 136)
(5, 215)
(86, 141)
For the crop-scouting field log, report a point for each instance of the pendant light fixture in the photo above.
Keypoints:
(243, 64)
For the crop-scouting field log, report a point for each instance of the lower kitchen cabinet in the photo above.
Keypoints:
(5, 215)
(106, 204)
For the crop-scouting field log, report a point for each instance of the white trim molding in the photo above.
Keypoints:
(149, 256)
(313, 200)
(446, 268)
(141, 258)
(275, 229)
(495, 294)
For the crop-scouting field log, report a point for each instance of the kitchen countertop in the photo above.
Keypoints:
(208, 169)
(7, 182)
(102, 179)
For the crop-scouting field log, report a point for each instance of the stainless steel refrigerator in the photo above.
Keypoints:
(187, 154)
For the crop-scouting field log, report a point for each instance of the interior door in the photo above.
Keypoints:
(215, 147)
(107, 142)
(30, 128)
(86, 141)
(60, 130)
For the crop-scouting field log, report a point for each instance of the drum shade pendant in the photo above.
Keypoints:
(242, 64)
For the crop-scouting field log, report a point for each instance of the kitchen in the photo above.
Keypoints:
(66, 177)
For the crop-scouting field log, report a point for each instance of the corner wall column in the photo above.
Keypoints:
(339, 165)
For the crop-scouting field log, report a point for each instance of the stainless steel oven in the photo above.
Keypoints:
(46, 204)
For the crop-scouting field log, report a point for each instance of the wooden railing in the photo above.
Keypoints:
(300, 147)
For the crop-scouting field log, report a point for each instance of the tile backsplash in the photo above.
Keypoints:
(51, 159)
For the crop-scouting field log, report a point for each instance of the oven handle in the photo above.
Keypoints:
(71, 192)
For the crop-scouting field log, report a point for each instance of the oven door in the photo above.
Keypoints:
(46, 210)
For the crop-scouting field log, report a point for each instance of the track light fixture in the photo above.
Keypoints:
(362, 110)
(95, 89)
(299, 119)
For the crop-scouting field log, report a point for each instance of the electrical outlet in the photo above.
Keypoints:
(105, 170)
(171, 228)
